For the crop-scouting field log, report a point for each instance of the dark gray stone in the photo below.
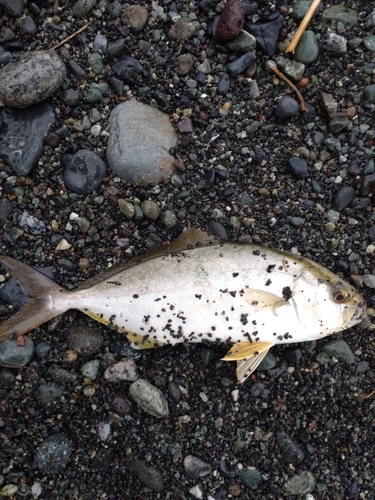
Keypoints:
(286, 107)
(343, 198)
(239, 65)
(13, 7)
(147, 474)
(195, 467)
(291, 453)
(53, 454)
(22, 133)
(84, 171)
(224, 84)
(297, 167)
(251, 478)
(15, 355)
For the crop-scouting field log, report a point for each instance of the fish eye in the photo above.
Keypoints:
(340, 296)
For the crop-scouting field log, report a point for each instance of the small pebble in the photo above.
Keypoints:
(149, 398)
(126, 369)
(195, 467)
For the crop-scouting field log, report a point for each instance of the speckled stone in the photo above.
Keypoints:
(231, 20)
(183, 29)
(84, 171)
(139, 140)
(85, 341)
(195, 467)
(82, 7)
(332, 42)
(134, 16)
(292, 69)
(300, 484)
(251, 478)
(32, 78)
(53, 454)
(149, 398)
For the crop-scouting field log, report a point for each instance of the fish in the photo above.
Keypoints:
(198, 289)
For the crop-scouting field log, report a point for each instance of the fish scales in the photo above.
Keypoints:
(251, 296)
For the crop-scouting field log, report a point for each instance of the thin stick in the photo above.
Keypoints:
(71, 36)
(305, 21)
(291, 85)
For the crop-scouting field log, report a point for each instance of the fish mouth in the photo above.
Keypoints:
(358, 315)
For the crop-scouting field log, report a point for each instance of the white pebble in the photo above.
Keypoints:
(197, 491)
(370, 249)
(95, 130)
(104, 430)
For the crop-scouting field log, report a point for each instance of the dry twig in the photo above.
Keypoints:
(291, 85)
(71, 36)
(305, 21)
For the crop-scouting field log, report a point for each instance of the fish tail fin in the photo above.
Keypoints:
(40, 306)
(248, 355)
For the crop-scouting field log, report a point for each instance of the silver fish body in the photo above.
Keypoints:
(251, 296)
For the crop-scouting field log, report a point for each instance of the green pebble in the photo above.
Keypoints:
(91, 369)
(307, 50)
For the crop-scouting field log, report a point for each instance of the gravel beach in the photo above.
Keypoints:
(123, 124)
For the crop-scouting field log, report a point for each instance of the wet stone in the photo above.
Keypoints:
(367, 184)
(22, 134)
(224, 85)
(149, 398)
(332, 42)
(147, 474)
(115, 48)
(90, 369)
(340, 350)
(32, 78)
(301, 484)
(231, 20)
(50, 393)
(16, 355)
(195, 467)
(134, 16)
(150, 209)
(286, 107)
(84, 171)
(53, 454)
(291, 453)
(126, 369)
(145, 161)
(307, 50)
(82, 7)
(266, 32)
(343, 198)
(31, 224)
(297, 167)
(251, 478)
(338, 123)
(369, 42)
(43, 349)
(244, 42)
(340, 13)
(95, 62)
(268, 362)
(85, 341)
(239, 65)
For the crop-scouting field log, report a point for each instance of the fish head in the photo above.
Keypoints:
(337, 306)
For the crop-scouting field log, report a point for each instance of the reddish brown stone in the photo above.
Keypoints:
(231, 21)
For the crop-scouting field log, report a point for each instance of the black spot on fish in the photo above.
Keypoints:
(270, 268)
(198, 296)
(224, 291)
(280, 337)
(254, 322)
(233, 294)
(267, 283)
(254, 303)
(286, 293)
(235, 275)
(213, 328)
(135, 296)
(256, 252)
(116, 283)
(244, 319)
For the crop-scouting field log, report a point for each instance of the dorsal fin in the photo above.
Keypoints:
(189, 239)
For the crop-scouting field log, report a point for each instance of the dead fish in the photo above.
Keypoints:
(245, 294)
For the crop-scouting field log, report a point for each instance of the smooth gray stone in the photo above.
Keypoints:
(340, 13)
(22, 133)
(307, 50)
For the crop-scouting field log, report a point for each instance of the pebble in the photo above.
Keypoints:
(183, 29)
(184, 64)
(13, 7)
(300, 9)
(297, 167)
(128, 69)
(135, 16)
(286, 107)
(120, 404)
(126, 208)
(231, 21)
(239, 65)
(340, 14)
(197, 491)
(338, 123)
(32, 78)
(150, 209)
(84, 340)
(307, 50)
(7, 377)
(31, 224)
(268, 362)
(251, 478)
(291, 453)
(83, 7)
(332, 42)
(340, 350)
(244, 42)
(53, 454)
(16, 355)
(84, 171)
(367, 184)
(369, 280)
(149, 398)
(126, 369)
(369, 42)
(330, 104)
(147, 474)
(292, 69)
(90, 369)
(266, 32)
(224, 85)
(343, 198)
(22, 135)
(9, 490)
(61, 375)
(144, 163)
(169, 219)
(95, 62)
(195, 467)
(300, 484)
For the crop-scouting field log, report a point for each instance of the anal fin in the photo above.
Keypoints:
(248, 356)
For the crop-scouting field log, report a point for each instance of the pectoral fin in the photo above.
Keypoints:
(248, 356)
(260, 299)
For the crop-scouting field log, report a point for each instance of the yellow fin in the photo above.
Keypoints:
(244, 350)
(260, 299)
(245, 367)
(138, 341)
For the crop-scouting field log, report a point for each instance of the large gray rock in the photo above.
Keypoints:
(32, 78)
(22, 133)
(140, 137)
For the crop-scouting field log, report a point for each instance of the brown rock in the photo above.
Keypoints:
(183, 29)
(135, 16)
(231, 21)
